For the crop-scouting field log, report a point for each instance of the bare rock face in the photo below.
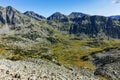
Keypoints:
(2, 15)
(11, 16)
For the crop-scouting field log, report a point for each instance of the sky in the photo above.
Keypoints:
(48, 7)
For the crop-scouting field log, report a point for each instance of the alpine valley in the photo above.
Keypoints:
(77, 46)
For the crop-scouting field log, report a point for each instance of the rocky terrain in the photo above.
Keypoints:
(34, 69)
(77, 46)
(108, 64)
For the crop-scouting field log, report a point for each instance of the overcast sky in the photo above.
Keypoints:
(48, 7)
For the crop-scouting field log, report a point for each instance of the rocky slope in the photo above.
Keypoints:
(108, 64)
(34, 69)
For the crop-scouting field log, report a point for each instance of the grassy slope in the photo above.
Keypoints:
(72, 51)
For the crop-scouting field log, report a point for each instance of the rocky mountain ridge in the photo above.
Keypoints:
(34, 15)
(76, 23)
(115, 16)
(92, 26)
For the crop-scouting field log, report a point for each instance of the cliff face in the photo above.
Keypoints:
(93, 25)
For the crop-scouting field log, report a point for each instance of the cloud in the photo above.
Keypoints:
(116, 1)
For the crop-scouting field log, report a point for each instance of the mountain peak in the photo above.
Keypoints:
(58, 16)
(34, 15)
(31, 12)
(10, 8)
(58, 13)
(76, 15)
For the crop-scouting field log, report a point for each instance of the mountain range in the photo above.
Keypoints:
(76, 23)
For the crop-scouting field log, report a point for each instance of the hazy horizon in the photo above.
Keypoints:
(48, 7)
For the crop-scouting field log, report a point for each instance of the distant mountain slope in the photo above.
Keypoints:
(76, 15)
(115, 16)
(34, 15)
(92, 26)
(96, 25)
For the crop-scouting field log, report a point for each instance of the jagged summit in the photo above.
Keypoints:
(58, 16)
(34, 15)
(10, 8)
